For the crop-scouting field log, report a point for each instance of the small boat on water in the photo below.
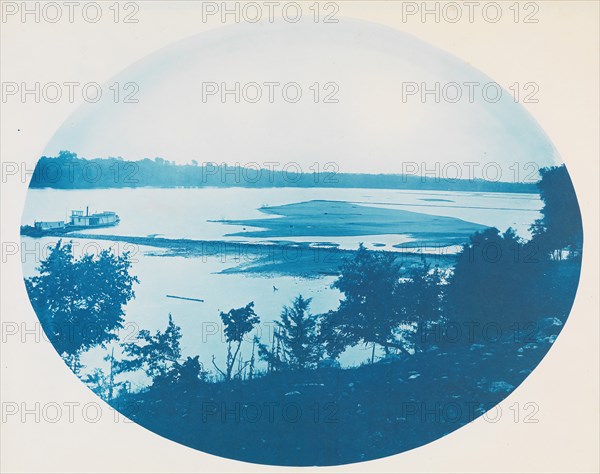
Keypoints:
(78, 221)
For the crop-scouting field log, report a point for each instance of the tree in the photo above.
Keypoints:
(421, 297)
(272, 356)
(186, 374)
(80, 302)
(560, 226)
(103, 383)
(494, 282)
(99, 382)
(251, 365)
(298, 343)
(236, 324)
(369, 312)
(159, 356)
(155, 354)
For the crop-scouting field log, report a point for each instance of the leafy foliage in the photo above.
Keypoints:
(237, 322)
(421, 297)
(159, 356)
(368, 312)
(155, 354)
(297, 342)
(560, 226)
(493, 282)
(79, 302)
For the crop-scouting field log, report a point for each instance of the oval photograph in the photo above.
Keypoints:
(302, 244)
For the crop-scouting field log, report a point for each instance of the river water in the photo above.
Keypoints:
(185, 213)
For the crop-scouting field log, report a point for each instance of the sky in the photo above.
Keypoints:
(374, 124)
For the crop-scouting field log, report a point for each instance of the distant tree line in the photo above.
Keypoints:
(68, 171)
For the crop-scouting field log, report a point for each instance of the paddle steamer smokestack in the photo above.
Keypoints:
(87, 210)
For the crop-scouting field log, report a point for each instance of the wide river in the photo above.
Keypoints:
(185, 213)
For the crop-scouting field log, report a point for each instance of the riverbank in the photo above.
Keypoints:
(332, 416)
